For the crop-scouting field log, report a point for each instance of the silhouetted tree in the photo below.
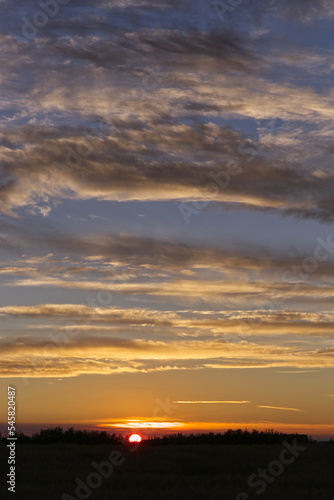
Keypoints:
(231, 437)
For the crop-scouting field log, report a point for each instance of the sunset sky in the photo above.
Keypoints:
(166, 214)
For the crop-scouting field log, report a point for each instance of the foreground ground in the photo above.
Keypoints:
(47, 472)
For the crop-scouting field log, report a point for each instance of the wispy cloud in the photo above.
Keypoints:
(211, 402)
(190, 78)
(279, 408)
(143, 424)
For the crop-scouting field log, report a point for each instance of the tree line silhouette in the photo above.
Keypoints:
(57, 435)
(70, 436)
(233, 437)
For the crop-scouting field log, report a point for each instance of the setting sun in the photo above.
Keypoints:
(134, 438)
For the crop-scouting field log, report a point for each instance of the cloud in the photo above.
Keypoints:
(72, 350)
(124, 253)
(142, 424)
(74, 362)
(164, 96)
(109, 315)
(191, 288)
(135, 101)
(259, 322)
(279, 408)
(244, 277)
(211, 402)
(116, 172)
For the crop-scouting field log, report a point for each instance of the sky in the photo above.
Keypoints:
(166, 214)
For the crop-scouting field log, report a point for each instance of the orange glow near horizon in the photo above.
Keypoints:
(144, 424)
(186, 427)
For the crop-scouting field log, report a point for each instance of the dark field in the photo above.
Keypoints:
(46, 472)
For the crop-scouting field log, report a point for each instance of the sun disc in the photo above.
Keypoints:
(134, 438)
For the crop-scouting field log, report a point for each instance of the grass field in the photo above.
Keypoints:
(204, 472)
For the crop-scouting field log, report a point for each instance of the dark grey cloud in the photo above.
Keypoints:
(180, 75)
(42, 236)
(174, 162)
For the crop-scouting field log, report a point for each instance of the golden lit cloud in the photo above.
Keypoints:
(144, 424)
(279, 408)
(211, 402)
